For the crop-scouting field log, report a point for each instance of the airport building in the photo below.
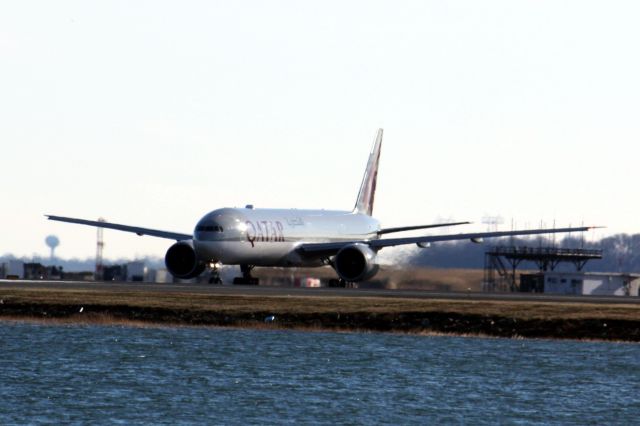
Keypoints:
(12, 269)
(582, 283)
(502, 263)
(135, 271)
(18, 270)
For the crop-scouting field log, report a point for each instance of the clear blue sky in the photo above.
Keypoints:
(152, 113)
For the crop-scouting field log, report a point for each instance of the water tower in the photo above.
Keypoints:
(52, 241)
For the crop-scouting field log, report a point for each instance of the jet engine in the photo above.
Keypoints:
(355, 262)
(182, 261)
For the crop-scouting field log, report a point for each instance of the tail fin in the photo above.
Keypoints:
(364, 203)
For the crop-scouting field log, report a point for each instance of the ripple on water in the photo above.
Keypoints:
(86, 374)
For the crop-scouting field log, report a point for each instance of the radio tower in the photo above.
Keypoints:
(492, 222)
(99, 247)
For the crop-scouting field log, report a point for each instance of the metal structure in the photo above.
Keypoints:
(492, 222)
(501, 263)
(98, 275)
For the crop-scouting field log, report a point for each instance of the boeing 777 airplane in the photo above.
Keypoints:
(347, 240)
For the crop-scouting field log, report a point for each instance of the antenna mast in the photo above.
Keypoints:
(492, 222)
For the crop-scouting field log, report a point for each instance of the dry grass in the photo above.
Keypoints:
(317, 304)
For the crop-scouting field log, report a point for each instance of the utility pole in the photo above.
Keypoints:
(99, 274)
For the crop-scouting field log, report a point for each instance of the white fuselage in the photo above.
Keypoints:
(269, 237)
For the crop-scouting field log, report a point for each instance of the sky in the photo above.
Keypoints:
(152, 113)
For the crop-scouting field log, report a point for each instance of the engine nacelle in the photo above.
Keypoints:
(182, 261)
(355, 262)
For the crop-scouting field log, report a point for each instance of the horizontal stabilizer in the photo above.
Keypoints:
(413, 228)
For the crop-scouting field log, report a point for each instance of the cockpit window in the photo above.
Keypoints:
(209, 228)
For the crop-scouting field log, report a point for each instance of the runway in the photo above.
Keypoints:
(230, 290)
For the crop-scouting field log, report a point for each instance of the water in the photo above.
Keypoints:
(121, 375)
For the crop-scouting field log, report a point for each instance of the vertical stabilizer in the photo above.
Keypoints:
(364, 203)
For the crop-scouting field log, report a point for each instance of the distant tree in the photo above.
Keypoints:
(620, 252)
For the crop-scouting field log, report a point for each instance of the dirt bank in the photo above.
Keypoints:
(504, 319)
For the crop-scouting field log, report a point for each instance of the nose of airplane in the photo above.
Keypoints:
(218, 225)
(208, 229)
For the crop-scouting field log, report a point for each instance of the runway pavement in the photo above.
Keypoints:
(309, 292)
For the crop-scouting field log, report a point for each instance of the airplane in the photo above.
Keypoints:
(348, 241)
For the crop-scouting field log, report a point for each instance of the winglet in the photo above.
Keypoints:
(364, 203)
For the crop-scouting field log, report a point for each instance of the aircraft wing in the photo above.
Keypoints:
(135, 229)
(330, 249)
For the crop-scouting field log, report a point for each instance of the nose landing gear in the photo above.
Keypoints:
(215, 274)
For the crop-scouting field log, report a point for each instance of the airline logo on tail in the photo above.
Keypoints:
(364, 203)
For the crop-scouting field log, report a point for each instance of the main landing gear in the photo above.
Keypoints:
(340, 283)
(246, 278)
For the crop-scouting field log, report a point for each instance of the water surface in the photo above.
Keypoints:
(113, 374)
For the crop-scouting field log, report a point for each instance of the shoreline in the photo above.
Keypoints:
(91, 320)
(516, 319)
(106, 321)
